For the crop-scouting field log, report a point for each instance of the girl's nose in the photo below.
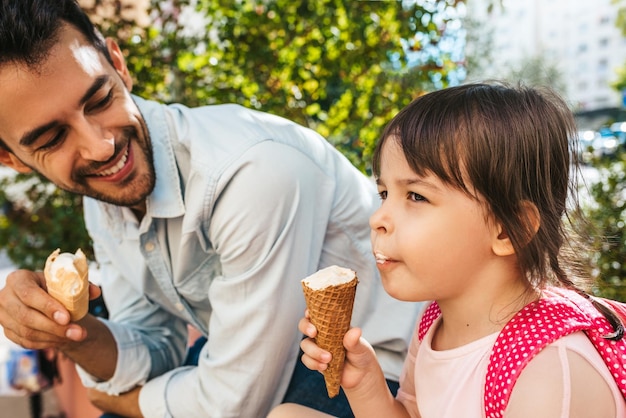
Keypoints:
(379, 221)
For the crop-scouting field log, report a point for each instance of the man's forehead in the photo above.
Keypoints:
(86, 56)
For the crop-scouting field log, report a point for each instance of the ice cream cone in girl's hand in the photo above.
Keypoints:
(329, 295)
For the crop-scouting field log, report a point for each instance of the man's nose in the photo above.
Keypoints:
(96, 143)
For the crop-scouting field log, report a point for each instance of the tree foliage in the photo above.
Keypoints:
(340, 67)
(336, 66)
(37, 218)
(606, 213)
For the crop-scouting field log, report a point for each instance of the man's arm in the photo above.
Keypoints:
(126, 404)
(97, 352)
(149, 341)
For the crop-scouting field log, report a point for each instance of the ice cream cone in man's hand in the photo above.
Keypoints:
(329, 295)
(67, 280)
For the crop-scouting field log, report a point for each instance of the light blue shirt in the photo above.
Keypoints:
(246, 204)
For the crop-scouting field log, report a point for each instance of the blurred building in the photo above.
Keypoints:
(578, 37)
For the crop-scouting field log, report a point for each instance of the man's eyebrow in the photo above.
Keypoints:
(97, 85)
(31, 136)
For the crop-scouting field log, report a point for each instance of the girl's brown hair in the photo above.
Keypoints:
(510, 145)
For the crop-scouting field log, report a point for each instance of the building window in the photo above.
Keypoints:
(603, 65)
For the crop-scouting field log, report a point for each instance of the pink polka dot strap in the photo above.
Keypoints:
(560, 312)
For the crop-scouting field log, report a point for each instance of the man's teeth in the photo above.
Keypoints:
(380, 258)
(117, 167)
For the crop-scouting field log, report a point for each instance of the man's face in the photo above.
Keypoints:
(73, 120)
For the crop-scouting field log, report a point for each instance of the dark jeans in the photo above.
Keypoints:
(306, 388)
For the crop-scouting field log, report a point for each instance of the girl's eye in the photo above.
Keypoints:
(382, 195)
(416, 197)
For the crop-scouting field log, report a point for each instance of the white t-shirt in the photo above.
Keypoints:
(450, 383)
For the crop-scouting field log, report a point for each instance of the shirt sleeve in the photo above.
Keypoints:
(149, 340)
(268, 228)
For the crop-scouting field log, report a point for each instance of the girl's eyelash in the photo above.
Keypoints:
(382, 195)
(416, 197)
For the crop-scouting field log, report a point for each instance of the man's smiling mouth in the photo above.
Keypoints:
(116, 168)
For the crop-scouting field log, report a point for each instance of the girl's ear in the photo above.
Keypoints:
(502, 244)
(119, 63)
(7, 158)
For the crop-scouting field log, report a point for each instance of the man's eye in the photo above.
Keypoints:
(101, 103)
(382, 195)
(56, 140)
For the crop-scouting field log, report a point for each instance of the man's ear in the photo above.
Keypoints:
(9, 159)
(502, 244)
(119, 63)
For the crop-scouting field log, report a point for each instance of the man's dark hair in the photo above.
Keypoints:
(29, 29)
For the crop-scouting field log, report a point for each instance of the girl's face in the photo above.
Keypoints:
(431, 241)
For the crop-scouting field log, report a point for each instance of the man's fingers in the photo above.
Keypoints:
(23, 289)
(94, 291)
(32, 318)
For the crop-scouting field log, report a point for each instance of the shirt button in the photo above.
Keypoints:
(180, 306)
(149, 246)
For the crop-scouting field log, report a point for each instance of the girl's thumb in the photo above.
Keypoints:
(352, 341)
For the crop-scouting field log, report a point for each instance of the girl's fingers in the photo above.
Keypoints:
(312, 364)
(307, 328)
(316, 357)
(351, 341)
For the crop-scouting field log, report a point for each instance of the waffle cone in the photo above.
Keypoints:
(330, 310)
(69, 286)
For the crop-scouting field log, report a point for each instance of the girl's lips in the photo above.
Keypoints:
(380, 257)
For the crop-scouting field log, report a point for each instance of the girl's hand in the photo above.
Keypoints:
(314, 357)
(360, 357)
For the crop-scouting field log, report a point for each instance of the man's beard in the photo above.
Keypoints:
(139, 185)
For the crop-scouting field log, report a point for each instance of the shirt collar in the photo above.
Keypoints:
(166, 200)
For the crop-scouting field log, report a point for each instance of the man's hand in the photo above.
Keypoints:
(31, 317)
(126, 404)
